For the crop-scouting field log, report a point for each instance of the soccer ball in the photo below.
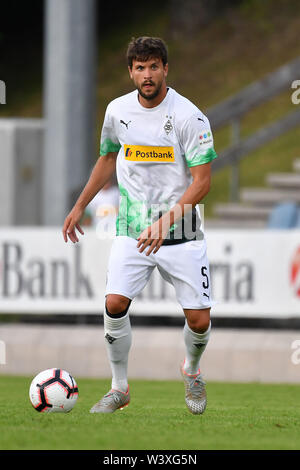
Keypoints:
(53, 391)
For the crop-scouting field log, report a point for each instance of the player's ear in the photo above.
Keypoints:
(166, 69)
(130, 71)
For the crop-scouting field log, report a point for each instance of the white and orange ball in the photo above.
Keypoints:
(53, 391)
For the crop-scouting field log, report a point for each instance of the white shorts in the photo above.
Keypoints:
(184, 265)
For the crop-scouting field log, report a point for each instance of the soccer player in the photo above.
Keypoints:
(161, 146)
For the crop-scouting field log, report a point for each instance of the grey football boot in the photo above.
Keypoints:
(112, 401)
(195, 393)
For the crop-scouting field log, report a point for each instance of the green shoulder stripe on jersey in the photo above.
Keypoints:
(201, 158)
(108, 146)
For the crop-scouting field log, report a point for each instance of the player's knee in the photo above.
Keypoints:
(116, 303)
(199, 327)
(199, 323)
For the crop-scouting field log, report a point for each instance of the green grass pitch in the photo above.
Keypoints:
(238, 416)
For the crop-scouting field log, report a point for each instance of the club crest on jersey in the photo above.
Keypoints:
(168, 126)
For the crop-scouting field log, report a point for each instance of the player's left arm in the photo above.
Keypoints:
(154, 235)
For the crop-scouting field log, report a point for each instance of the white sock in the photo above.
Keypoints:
(117, 333)
(195, 344)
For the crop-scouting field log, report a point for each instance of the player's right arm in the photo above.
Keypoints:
(101, 174)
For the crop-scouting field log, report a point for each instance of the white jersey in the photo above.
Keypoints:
(156, 147)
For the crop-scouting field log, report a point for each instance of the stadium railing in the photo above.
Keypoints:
(234, 108)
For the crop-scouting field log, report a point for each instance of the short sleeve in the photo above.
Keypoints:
(197, 140)
(109, 141)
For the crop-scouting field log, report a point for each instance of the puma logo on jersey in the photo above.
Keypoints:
(125, 124)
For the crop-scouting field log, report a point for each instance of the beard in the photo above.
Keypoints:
(152, 95)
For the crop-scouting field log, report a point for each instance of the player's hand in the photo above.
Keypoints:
(154, 235)
(71, 224)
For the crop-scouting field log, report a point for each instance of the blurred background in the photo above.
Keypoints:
(61, 63)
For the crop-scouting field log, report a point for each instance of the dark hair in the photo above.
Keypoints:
(144, 48)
